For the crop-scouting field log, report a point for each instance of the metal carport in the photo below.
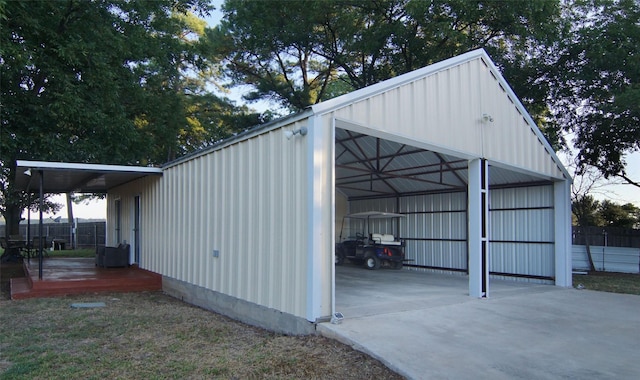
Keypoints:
(455, 131)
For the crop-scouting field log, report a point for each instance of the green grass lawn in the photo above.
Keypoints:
(154, 336)
(90, 252)
(627, 283)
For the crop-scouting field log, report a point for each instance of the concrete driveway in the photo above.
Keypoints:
(425, 326)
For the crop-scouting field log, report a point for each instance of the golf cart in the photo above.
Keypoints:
(362, 246)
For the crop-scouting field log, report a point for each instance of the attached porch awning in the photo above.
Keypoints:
(64, 177)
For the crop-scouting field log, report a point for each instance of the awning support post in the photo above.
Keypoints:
(40, 226)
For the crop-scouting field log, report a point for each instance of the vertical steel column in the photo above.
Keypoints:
(478, 190)
(40, 227)
(28, 242)
(562, 232)
(318, 238)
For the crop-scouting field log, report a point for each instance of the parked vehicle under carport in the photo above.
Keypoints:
(372, 249)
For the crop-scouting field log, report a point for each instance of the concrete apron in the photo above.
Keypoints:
(425, 326)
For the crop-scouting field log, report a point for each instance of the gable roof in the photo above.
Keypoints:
(508, 99)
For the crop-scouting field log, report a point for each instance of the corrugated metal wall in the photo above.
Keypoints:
(609, 259)
(435, 229)
(522, 231)
(436, 232)
(437, 109)
(245, 203)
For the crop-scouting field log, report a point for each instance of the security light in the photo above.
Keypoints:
(289, 134)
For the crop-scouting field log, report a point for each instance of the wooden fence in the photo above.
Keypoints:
(88, 234)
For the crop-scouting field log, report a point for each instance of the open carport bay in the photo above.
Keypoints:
(432, 190)
(424, 325)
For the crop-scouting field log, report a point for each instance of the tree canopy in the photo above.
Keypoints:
(298, 52)
(574, 64)
(125, 82)
(106, 81)
(596, 92)
(587, 211)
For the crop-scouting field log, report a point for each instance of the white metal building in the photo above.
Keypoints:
(248, 227)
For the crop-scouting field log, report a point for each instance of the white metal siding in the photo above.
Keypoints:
(522, 231)
(438, 109)
(126, 195)
(609, 259)
(434, 229)
(246, 201)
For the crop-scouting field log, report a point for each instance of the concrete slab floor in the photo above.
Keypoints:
(425, 326)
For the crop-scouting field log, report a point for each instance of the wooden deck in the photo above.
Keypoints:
(65, 276)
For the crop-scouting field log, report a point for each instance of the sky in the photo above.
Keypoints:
(617, 193)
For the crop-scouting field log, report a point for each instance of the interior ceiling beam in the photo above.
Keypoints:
(363, 155)
(448, 165)
(408, 171)
(387, 156)
(409, 194)
(405, 153)
(352, 137)
(386, 176)
(371, 166)
(373, 159)
(428, 170)
(355, 182)
(393, 157)
(379, 170)
(379, 192)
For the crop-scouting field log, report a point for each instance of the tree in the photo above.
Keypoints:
(102, 81)
(616, 215)
(597, 85)
(295, 51)
(585, 210)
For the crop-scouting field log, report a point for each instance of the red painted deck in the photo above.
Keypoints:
(64, 276)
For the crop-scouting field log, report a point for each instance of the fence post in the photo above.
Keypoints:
(604, 248)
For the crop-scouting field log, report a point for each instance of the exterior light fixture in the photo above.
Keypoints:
(27, 172)
(289, 134)
(486, 118)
